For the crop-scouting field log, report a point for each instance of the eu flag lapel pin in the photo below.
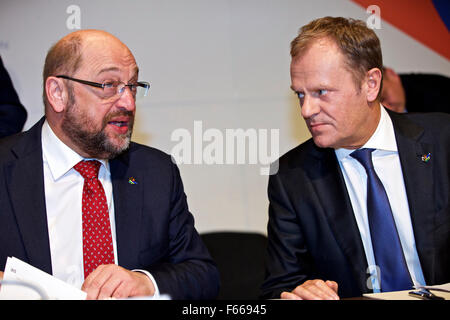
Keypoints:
(426, 157)
(132, 180)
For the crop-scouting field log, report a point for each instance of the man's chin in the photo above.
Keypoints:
(111, 145)
(118, 138)
(117, 146)
(322, 142)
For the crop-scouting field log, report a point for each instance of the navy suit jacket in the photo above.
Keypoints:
(12, 113)
(154, 229)
(312, 229)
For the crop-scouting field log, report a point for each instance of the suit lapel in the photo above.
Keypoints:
(332, 192)
(25, 183)
(128, 186)
(417, 173)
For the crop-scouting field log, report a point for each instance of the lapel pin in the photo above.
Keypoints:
(426, 157)
(132, 180)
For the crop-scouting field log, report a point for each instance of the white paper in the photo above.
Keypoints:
(439, 290)
(23, 281)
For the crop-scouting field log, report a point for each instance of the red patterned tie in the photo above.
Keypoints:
(97, 240)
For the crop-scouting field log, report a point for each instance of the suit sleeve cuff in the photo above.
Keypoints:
(148, 274)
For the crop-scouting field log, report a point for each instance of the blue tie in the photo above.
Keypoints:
(386, 245)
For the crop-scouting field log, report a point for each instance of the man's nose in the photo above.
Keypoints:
(309, 107)
(127, 100)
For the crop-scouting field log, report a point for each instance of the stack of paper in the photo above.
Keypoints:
(23, 281)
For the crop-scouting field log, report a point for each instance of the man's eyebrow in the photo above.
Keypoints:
(136, 72)
(115, 69)
(108, 69)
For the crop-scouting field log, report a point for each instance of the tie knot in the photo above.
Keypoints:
(88, 169)
(364, 156)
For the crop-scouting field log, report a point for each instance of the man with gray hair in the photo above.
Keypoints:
(81, 201)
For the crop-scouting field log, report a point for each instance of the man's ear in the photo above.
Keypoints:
(57, 94)
(373, 82)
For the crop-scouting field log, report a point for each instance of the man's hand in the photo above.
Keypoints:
(113, 281)
(1, 275)
(313, 290)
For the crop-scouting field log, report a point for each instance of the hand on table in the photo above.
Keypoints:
(113, 281)
(313, 290)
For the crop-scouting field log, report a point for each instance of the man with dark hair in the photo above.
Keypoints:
(364, 205)
(81, 201)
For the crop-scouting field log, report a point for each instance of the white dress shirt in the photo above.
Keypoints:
(388, 168)
(63, 196)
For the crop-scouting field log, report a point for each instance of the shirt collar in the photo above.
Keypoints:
(59, 157)
(382, 139)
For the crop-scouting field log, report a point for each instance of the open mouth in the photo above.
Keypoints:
(119, 124)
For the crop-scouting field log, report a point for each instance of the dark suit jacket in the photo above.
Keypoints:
(312, 229)
(154, 229)
(12, 113)
(426, 92)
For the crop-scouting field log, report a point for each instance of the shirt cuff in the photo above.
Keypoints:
(148, 274)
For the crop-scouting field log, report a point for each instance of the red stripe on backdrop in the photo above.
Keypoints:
(418, 18)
